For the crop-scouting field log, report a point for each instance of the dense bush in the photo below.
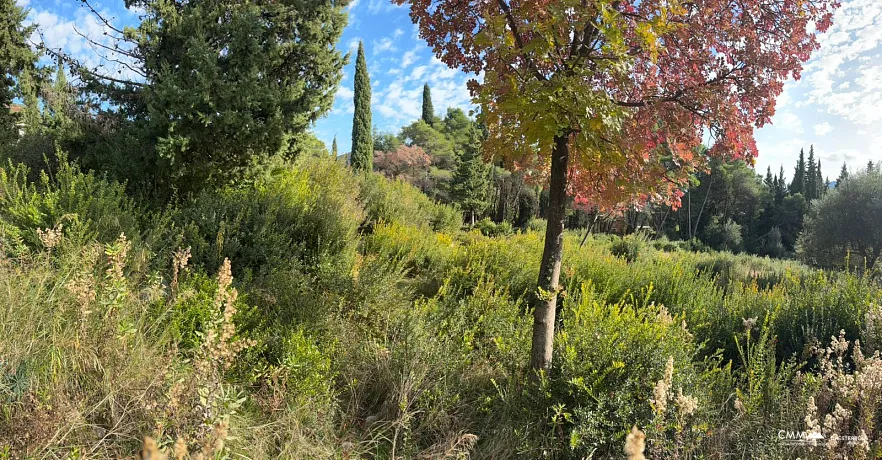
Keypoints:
(88, 208)
(398, 201)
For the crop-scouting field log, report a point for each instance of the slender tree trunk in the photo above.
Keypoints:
(549, 271)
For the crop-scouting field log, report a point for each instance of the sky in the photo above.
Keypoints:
(836, 105)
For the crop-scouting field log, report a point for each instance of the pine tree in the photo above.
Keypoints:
(810, 189)
(362, 155)
(798, 184)
(769, 181)
(334, 148)
(428, 110)
(819, 181)
(843, 175)
(471, 179)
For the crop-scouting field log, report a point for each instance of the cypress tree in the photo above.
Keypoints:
(334, 148)
(781, 188)
(428, 110)
(798, 184)
(811, 177)
(362, 155)
(843, 174)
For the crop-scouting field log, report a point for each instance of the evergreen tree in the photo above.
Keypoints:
(870, 166)
(334, 148)
(843, 175)
(781, 188)
(819, 181)
(362, 154)
(769, 181)
(16, 58)
(428, 110)
(798, 184)
(471, 179)
(216, 85)
(810, 189)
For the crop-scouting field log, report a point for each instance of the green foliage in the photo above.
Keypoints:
(86, 208)
(627, 248)
(489, 228)
(224, 83)
(397, 201)
(610, 357)
(428, 115)
(376, 328)
(723, 235)
(290, 217)
(361, 157)
(433, 142)
(16, 60)
(470, 185)
(386, 142)
(843, 226)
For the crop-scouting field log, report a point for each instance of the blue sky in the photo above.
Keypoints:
(837, 105)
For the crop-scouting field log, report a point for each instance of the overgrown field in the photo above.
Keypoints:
(313, 313)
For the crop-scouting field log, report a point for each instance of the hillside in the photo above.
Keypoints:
(316, 313)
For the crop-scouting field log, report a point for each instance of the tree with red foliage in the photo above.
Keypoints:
(610, 97)
(404, 161)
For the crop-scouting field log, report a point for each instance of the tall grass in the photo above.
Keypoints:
(319, 314)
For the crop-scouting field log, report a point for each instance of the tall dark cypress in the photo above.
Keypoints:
(334, 148)
(810, 189)
(781, 189)
(843, 174)
(428, 110)
(798, 184)
(362, 155)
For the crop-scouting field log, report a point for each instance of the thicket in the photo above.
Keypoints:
(291, 317)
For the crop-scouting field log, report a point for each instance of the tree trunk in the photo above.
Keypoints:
(549, 271)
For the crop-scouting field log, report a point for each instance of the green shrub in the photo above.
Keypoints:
(489, 228)
(85, 207)
(397, 201)
(295, 217)
(537, 225)
(627, 248)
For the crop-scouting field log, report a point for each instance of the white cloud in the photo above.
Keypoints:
(381, 6)
(353, 4)
(352, 44)
(408, 58)
(385, 44)
(788, 120)
(344, 100)
(822, 129)
(397, 33)
(417, 72)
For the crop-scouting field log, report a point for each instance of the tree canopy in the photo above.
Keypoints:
(212, 85)
(845, 223)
